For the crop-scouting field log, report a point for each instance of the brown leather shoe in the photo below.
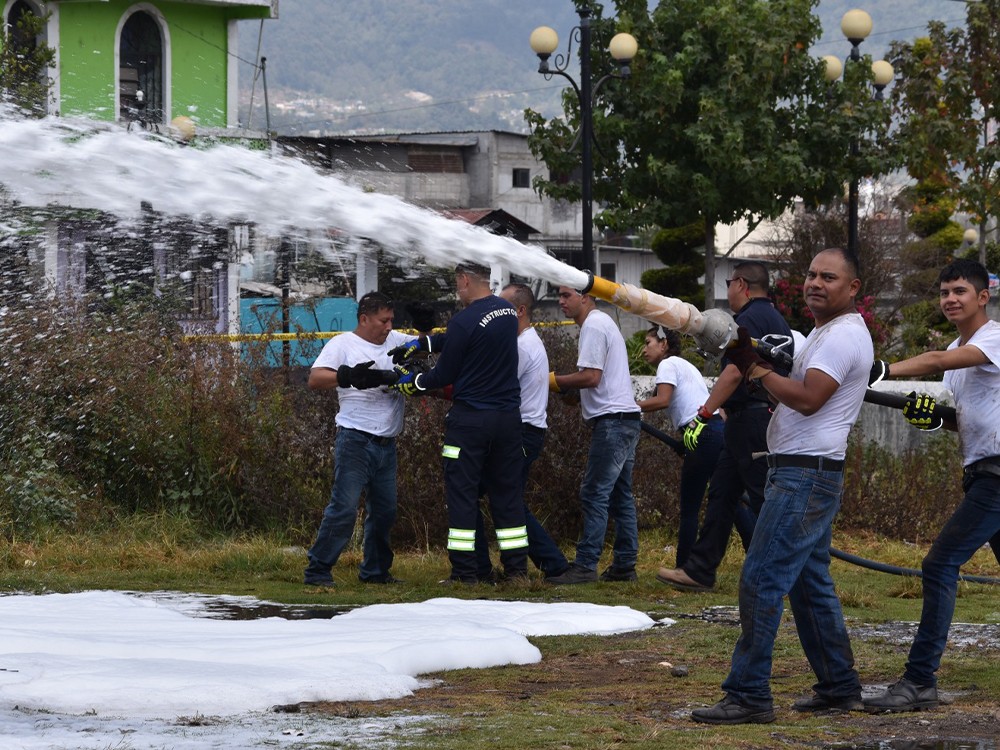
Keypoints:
(677, 578)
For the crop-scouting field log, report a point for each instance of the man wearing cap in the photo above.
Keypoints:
(607, 402)
(482, 441)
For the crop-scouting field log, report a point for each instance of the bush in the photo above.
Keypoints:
(115, 414)
(132, 417)
(908, 497)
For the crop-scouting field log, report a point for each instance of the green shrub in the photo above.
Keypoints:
(103, 416)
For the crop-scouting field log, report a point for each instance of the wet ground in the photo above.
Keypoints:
(962, 726)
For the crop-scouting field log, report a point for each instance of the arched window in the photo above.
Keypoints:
(140, 71)
(24, 32)
(15, 28)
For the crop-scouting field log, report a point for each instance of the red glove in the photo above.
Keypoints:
(742, 354)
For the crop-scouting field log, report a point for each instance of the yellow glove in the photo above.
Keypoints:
(919, 411)
(553, 385)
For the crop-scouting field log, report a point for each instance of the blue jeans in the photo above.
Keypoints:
(542, 550)
(360, 465)
(696, 471)
(790, 554)
(607, 493)
(975, 522)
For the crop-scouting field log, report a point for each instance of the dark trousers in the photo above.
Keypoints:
(542, 550)
(735, 473)
(696, 473)
(482, 449)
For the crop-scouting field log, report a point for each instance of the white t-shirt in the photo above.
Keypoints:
(375, 410)
(533, 375)
(602, 347)
(689, 393)
(977, 396)
(843, 350)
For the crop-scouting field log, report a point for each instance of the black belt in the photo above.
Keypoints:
(620, 415)
(531, 428)
(819, 463)
(746, 406)
(989, 465)
(377, 439)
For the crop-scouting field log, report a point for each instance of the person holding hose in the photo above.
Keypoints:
(737, 471)
(971, 367)
(681, 390)
(818, 402)
(369, 419)
(607, 403)
(482, 449)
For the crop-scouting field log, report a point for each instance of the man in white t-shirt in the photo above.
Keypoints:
(789, 554)
(971, 367)
(368, 421)
(607, 402)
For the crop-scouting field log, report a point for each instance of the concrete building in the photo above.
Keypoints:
(478, 171)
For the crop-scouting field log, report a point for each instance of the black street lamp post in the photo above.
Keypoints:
(856, 25)
(623, 48)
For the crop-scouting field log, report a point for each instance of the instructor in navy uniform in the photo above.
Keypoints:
(482, 441)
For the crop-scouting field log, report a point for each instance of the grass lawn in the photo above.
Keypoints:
(587, 692)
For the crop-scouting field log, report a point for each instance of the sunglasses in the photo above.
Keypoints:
(735, 278)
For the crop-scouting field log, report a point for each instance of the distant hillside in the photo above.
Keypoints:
(376, 65)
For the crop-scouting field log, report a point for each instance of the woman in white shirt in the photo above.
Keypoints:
(681, 389)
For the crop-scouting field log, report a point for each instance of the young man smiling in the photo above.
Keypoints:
(789, 554)
(971, 367)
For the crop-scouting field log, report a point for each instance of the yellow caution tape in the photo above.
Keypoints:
(314, 335)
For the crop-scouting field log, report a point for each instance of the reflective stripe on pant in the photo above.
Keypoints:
(462, 540)
(483, 448)
(512, 538)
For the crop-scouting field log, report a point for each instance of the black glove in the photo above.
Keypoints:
(879, 372)
(363, 376)
(919, 411)
(422, 316)
(406, 351)
(743, 354)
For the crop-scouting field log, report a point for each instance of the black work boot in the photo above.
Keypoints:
(728, 711)
(817, 702)
(574, 574)
(903, 696)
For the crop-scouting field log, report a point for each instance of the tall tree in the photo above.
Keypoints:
(727, 116)
(947, 99)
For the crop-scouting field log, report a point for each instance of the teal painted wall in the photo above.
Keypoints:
(198, 60)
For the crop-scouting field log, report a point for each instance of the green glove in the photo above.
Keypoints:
(693, 431)
(919, 411)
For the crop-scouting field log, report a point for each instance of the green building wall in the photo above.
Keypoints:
(198, 72)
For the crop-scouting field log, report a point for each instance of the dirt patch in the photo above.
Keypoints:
(627, 680)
